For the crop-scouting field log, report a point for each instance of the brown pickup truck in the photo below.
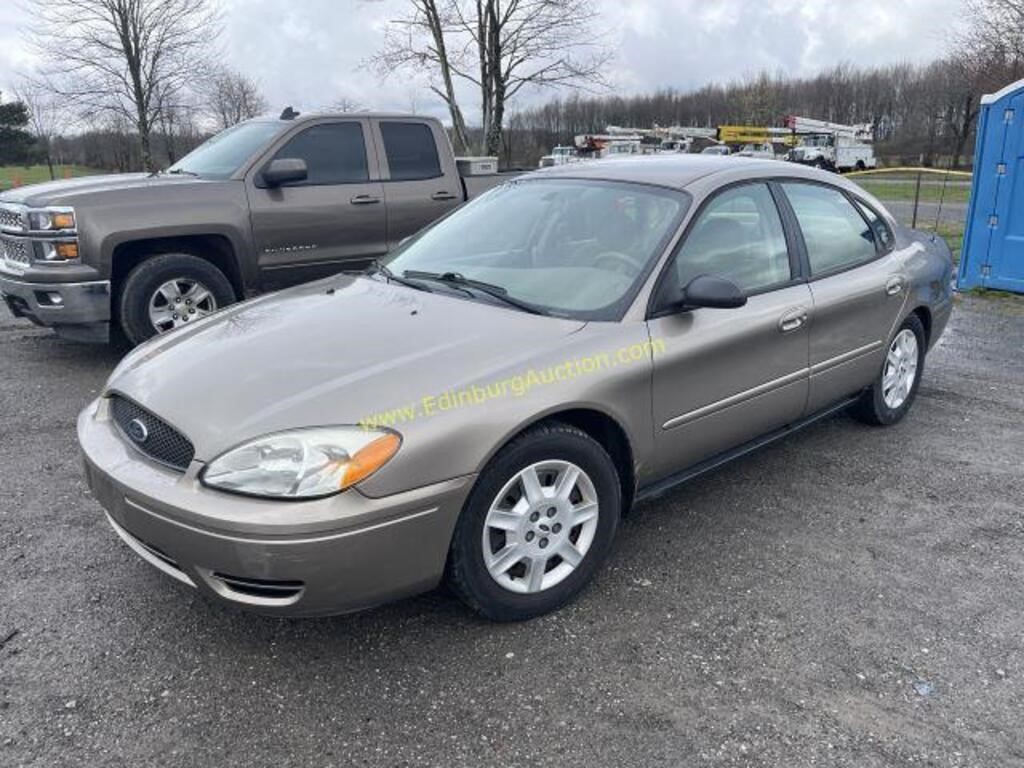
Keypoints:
(265, 204)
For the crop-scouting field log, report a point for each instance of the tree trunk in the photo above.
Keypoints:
(144, 145)
(437, 31)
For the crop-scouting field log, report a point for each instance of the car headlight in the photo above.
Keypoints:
(51, 220)
(303, 463)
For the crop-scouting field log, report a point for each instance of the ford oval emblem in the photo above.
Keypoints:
(137, 430)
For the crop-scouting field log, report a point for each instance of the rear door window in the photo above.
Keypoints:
(883, 234)
(335, 153)
(836, 235)
(737, 236)
(411, 151)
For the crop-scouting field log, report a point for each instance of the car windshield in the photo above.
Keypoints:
(568, 247)
(222, 155)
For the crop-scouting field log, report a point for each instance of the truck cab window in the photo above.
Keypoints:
(411, 151)
(335, 153)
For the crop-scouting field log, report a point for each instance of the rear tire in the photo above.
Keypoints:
(890, 397)
(147, 291)
(552, 490)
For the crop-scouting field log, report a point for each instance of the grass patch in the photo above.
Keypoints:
(953, 234)
(903, 190)
(20, 175)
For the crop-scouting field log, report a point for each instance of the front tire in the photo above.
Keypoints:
(537, 526)
(894, 390)
(169, 291)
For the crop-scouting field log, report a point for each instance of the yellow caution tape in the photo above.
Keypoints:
(935, 171)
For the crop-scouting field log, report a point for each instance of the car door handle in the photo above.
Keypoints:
(364, 200)
(443, 195)
(793, 319)
(894, 287)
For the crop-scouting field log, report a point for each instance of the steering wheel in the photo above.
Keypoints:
(617, 261)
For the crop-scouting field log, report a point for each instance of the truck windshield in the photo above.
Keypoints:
(567, 247)
(222, 155)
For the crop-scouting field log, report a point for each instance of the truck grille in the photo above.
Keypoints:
(10, 218)
(15, 252)
(151, 435)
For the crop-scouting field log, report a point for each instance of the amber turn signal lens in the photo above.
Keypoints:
(369, 459)
(67, 250)
(63, 221)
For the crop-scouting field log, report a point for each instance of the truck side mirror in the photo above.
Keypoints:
(284, 170)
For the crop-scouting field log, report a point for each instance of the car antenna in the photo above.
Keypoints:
(289, 114)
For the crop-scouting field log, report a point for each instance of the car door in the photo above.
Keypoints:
(725, 376)
(420, 186)
(857, 288)
(333, 219)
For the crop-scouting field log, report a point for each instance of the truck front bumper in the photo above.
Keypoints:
(79, 311)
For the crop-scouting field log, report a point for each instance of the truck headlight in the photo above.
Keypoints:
(47, 220)
(58, 251)
(302, 463)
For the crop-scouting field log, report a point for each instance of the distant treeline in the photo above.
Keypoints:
(923, 113)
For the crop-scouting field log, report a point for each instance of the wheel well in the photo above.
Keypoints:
(215, 249)
(612, 437)
(925, 316)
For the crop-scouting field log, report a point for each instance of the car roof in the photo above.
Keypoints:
(676, 171)
(701, 175)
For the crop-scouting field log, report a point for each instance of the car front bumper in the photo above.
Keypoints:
(321, 557)
(76, 310)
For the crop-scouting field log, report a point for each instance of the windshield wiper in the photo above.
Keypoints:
(460, 281)
(179, 171)
(376, 267)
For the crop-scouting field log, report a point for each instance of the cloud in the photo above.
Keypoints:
(310, 53)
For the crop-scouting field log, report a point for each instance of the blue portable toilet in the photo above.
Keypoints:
(993, 249)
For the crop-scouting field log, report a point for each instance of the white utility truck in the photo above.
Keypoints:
(831, 145)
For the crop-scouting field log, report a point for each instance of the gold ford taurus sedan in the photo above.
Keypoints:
(486, 403)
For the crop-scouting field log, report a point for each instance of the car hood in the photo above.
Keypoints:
(330, 352)
(67, 191)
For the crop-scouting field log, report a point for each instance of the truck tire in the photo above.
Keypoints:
(860, 166)
(169, 291)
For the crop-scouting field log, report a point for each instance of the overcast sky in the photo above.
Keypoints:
(309, 53)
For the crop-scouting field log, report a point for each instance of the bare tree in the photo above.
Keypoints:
(127, 58)
(992, 42)
(500, 47)
(418, 41)
(44, 114)
(231, 97)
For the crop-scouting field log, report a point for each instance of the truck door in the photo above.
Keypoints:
(420, 184)
(332, 220)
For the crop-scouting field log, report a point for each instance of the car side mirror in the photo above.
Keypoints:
(284, 170)
(712, 291)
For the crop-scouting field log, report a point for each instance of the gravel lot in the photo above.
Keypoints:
(850, 597)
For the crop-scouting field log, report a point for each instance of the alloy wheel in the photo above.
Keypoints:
(900, 369)
(178, 302)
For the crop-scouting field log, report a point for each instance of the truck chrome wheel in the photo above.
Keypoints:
(179, 302)
(540, 526)
(900, 368)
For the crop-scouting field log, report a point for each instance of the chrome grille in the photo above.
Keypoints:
(10, 218)
(155, 437)
(15, 251)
